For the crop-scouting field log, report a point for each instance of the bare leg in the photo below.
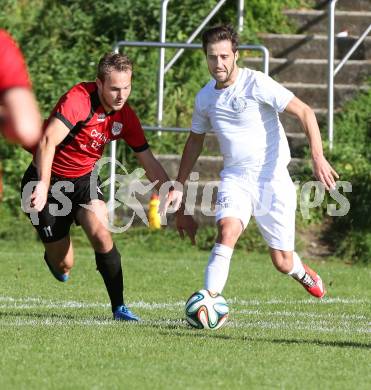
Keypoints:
(107, 257)
(60, 255)
(229, 231)
(289, 263)
(93, 222)
(282, 260)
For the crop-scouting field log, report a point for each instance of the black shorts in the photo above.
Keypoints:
(65, 197)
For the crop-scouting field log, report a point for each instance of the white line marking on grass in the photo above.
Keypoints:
(56, 322)
(318, 322)
(81, 305)
(89, 322)
(162, 305)
(323, 322)
(308, 315)
(309, 301)
(176, 306)
(53, 306)
(298, 325)
(33, 303)
(325, 328)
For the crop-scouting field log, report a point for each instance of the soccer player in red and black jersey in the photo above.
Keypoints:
(20, 119)
(88, 116)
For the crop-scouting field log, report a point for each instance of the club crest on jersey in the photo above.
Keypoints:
(239, 104)
(116, 128)
(101, 117)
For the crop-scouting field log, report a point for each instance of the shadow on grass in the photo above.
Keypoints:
(336, 344)
(170, 330)
(182, 329)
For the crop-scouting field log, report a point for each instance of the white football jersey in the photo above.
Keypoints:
(244, 117)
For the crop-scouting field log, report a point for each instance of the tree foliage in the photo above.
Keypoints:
(351, 156)
(63, 40)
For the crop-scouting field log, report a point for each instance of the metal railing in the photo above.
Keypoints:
(193, 35)
(162, 69)
(331, 61)
(241, 4)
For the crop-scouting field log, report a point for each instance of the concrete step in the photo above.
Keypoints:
(312, 70)
(316, 94)
(292, 125)
(297, 141)
(312, 46)
(315, 21)
(208, 167)
(349, 5)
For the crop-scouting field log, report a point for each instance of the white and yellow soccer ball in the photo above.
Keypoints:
(206, 311)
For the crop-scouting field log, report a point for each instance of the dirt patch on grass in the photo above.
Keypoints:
(315, 240)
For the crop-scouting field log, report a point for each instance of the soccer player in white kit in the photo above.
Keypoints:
(241, 106)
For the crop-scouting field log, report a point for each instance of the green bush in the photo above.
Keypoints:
(351, 158)
(62, 41)
(13, 163)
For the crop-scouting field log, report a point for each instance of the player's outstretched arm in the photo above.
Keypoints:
(191, 152)
(54, 134)
(19, 114)
(154, 170)
(186, 223)
(323, 171)
(21, 117)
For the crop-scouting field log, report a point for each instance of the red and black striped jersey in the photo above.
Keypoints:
(91, 128)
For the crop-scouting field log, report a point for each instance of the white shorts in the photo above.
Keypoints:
(272, 203)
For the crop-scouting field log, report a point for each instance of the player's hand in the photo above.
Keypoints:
(324, 172)
(174, 198)
(186, 223)
(39, 196)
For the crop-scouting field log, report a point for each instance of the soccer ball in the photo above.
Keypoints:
(206, 311)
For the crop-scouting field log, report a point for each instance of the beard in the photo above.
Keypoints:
(225, 76)
(112, 105)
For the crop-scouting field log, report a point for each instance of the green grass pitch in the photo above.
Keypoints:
(61, 336)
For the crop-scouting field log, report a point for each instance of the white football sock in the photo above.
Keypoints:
(217, 269)
(298, 270)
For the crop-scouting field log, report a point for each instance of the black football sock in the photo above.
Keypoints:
(109, 266)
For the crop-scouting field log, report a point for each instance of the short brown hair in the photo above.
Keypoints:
(220, 33)
(113, 61)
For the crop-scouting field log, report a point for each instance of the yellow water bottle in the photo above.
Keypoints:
(154, 218)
